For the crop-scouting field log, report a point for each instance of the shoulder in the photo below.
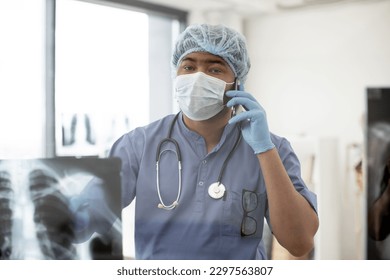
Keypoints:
(280, 141)
(141, 134)
(284, 147)
(157, 126)
(137, 140)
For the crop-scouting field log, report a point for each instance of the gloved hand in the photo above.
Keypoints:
(82, 218)
(91, 211)
(254, 124)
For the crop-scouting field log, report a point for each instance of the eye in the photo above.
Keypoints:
(216, 70)
(188, 68)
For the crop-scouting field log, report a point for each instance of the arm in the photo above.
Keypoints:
(294, 222)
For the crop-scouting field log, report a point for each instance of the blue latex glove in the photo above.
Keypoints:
(91, 211)
(253, 121)
(80, 211)
(82, 218)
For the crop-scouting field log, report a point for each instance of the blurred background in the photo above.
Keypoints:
(75, 75)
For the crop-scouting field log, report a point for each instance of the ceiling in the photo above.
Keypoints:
(255, 6)
(246, 7)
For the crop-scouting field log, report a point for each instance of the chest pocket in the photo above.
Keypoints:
(243, 214)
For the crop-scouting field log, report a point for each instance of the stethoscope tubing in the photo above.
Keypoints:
(177, 151)
(159, 153)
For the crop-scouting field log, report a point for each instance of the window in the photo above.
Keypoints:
(111, 62)
(22, 80)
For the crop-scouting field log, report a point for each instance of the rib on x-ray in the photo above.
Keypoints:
(37, 220)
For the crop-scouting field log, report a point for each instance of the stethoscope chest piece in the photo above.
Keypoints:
(217, 190)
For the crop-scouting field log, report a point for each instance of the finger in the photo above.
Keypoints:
(239, 93)
(243, 117)
(248, 104)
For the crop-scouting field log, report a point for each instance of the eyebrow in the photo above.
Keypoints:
(207, 60)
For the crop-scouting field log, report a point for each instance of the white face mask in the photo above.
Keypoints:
(200, 96)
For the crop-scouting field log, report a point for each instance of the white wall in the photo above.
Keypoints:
(310, 69)
(230, 18)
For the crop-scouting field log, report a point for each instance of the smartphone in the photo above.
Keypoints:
(237, 109)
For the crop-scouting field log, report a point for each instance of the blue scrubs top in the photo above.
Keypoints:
(200, 227)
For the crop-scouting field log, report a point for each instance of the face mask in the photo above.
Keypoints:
(200, 96)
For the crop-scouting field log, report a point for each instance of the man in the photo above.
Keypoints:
(232, 174)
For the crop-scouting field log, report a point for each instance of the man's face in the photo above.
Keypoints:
(209, 64)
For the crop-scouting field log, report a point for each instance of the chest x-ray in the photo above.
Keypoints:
(37, 220)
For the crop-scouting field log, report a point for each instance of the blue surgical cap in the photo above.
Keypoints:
(218, 40)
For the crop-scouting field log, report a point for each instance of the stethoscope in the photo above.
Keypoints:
(216, 190)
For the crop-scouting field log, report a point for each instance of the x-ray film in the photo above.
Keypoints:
(378, 170)
(47, 209)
